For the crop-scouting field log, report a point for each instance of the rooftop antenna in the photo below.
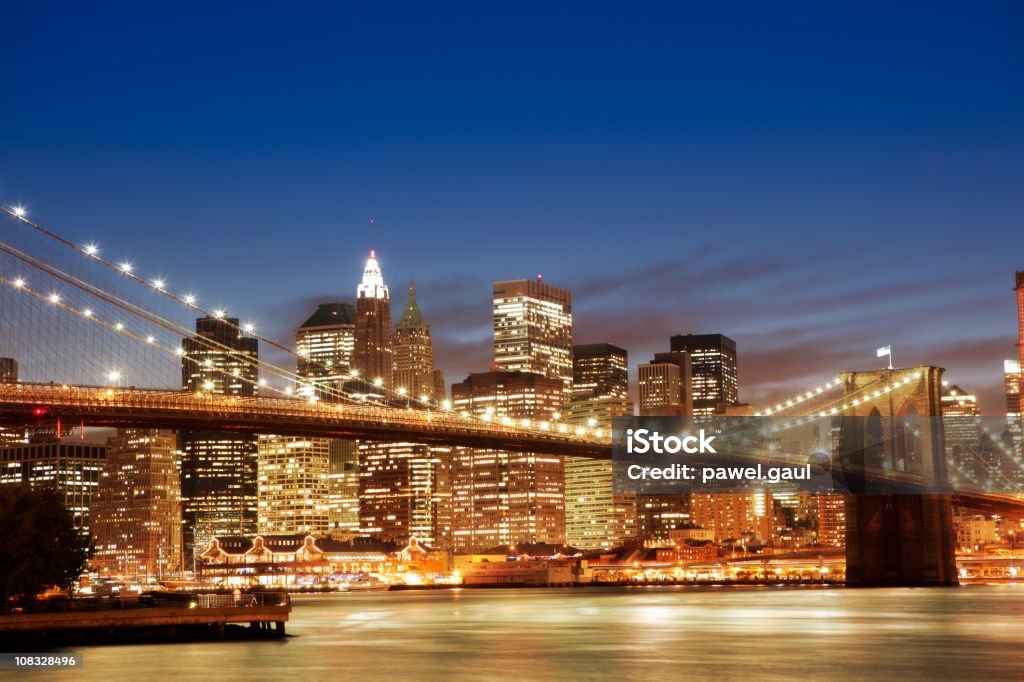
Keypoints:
(373, 230)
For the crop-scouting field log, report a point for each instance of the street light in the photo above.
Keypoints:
(114, 376)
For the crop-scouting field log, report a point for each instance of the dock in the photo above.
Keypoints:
(198, 616)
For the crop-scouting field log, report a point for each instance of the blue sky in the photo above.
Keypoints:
(813, 180)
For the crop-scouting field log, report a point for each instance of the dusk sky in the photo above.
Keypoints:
(813, 181)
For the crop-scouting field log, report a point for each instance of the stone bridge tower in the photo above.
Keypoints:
(894, 539)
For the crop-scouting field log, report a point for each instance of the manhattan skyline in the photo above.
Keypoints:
(813, 199)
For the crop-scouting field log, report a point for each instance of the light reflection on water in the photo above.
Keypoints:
(606, 633)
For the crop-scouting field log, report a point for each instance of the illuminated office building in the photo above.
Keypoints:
(831, 520)
(1013, 379)
(1013, 374)
(405, 491)
(219, 359)
(294, 485)
(504, 498)
(595, 517)
(533, 330)
(373, 343)
(962, 427)
(325, 345)
(414, 371)
(665, 385)
(218, 470)
(734, 517)
(343, 488)
(136, 512)
(714, 370)
(599, 370)
(72, 468)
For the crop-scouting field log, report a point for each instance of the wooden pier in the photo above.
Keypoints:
(202, 616)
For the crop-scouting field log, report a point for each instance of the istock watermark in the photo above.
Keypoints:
(824, 454)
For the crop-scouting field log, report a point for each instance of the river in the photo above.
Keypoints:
(642, 633)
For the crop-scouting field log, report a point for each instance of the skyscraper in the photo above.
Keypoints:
(533, 330)
(1013, 381)
(715, 376)
(599, 370)
(1013, 374)
(665, 385)
(960, 413)
(404, 488)
(325, 344)
(414, 353)
(219, 359)
(373, 343)
(218, 470)
(136, 511)
(502, 498)
(405, 491)
(326, 348)
(595, 517)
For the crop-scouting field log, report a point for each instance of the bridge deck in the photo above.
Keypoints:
(22, 404)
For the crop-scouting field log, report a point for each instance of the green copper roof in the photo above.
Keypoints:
(411, 315)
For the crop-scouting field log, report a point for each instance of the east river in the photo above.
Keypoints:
(642, 633)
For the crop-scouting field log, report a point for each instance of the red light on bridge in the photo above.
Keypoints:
(40, 411)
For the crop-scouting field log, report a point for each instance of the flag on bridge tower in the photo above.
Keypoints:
(885, 351)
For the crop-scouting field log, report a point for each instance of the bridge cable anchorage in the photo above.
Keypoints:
(149, 317)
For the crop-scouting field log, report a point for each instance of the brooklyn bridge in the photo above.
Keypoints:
(102, 345)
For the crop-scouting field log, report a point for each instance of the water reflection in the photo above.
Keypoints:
(607, 633)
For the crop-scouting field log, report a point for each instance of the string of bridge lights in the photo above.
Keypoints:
(115, 374)
(799, 398)
(190, 300)
(840, 405)
(306, 387)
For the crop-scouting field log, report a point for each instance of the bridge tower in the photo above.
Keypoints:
(898, 539)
